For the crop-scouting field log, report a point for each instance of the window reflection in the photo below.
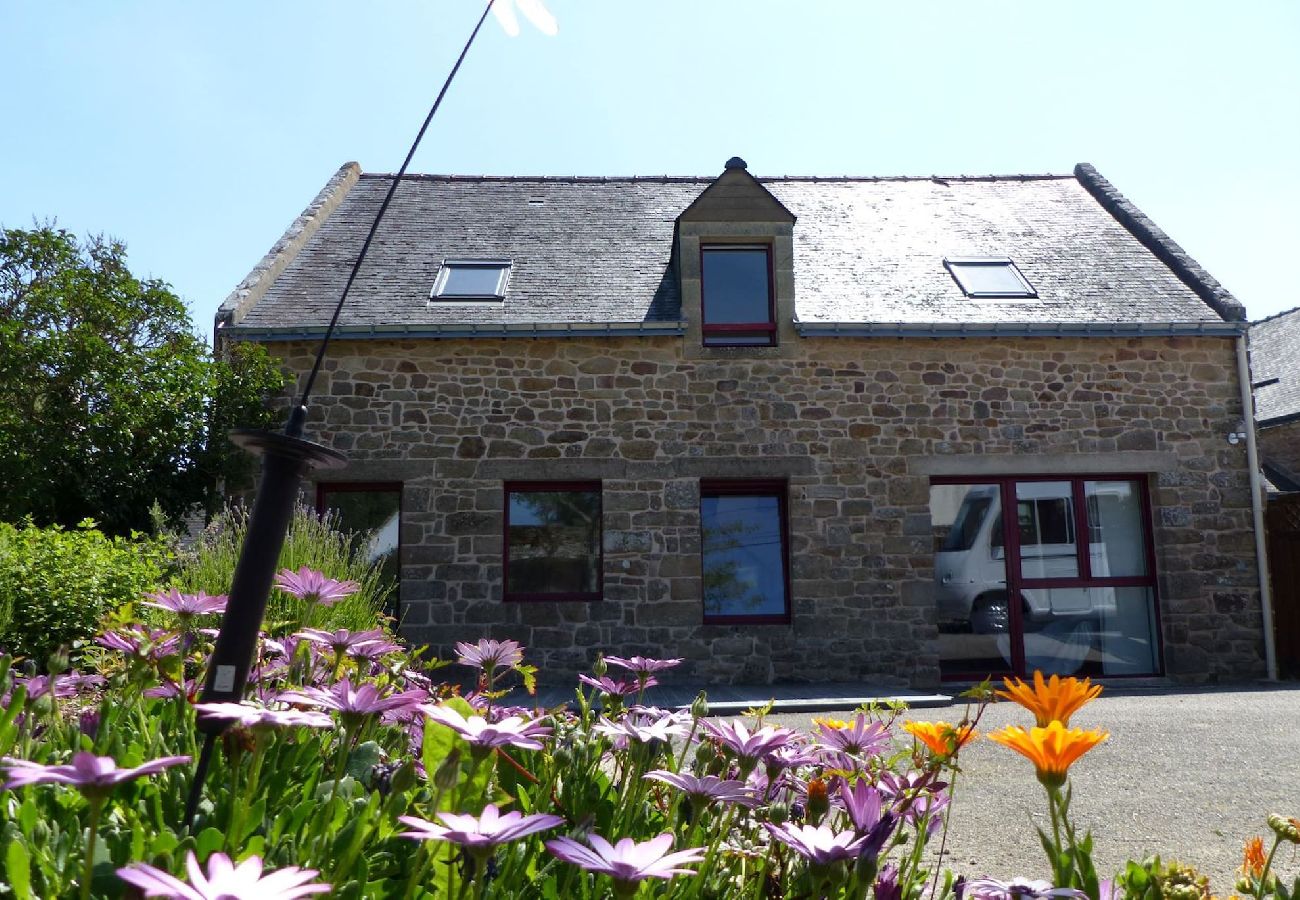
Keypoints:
(744, 553)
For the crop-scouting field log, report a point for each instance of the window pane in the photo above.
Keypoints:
(1117, 546)
(744, 559)
(373, 516)
(1045, 514)
(991, 278)
(970, 579)
(460, 280)
(735, 286)
(554, 542)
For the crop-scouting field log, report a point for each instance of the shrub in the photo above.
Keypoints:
(314, 542)
(56, 584)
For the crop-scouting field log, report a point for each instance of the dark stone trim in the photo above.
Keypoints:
(1216, 296)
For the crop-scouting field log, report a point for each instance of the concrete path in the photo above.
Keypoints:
(1186, 774)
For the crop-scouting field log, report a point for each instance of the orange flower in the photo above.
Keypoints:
(1253, 858)
(1052, 750)
(837, 724)
(942, 738)
(1052, 701)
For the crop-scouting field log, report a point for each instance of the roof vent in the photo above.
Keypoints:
(736, 163)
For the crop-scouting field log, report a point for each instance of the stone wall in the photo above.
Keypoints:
(857, 427)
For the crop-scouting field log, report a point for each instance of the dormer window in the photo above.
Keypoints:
(736, 289)
(988, 276)
(471, 279)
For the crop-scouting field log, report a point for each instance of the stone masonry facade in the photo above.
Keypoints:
(857, 427)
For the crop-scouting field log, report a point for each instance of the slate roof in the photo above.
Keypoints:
(1275, 354)
(592, 251)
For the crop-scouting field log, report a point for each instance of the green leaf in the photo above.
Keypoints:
(163, 842)
(362, 759)
(18, 870)
(209, 841)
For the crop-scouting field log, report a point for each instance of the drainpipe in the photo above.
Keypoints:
(1257, 508)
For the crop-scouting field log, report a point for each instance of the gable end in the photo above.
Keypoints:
(1215, 295)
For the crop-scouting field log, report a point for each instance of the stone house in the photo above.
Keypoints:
(769, 425)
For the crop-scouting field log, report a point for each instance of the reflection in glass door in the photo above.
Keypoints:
(1080, 595)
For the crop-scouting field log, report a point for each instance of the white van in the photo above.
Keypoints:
(970, 566)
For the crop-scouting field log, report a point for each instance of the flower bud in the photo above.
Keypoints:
(448, 772)
(700, 707)
(1285, 827)
(600, 667)
(58, 663)
(818, 802)
(778, 813)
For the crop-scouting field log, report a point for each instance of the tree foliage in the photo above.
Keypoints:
(109, 401)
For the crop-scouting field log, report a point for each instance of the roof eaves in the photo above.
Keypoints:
(1215, 295)
(259, 280)
(274, 333)
(1018, 329)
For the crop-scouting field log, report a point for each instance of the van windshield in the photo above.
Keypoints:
(967, 524)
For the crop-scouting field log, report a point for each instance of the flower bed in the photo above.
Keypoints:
(348, 771)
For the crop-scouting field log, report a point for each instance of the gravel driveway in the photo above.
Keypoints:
(1186, 774)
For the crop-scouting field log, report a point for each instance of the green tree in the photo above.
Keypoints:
(109, 400)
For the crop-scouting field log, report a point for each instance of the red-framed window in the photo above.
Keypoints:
(1065, 583)
(371, 512)
(744, 544)
(552, 548)
(737, 295)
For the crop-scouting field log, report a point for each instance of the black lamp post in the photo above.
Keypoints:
(285, 458)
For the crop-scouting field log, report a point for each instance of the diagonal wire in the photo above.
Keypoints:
(383, 207)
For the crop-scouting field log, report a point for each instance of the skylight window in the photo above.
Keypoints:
(988, 276)
(472, 279)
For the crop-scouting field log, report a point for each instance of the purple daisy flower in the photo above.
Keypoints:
(309, 584)
(187, 606)
(863, 736)
(254, 715)
(62, 686)
(642, 728)
(144, 643)
(343, 640)
(709, 789)
(93, 775)
(489, 655)
(627, 861)
(224, 881)
(512, 731)
(887, 886)
(353, 703)
(817, 843)
(613, 688)
(749, 747)
(373, 650)
(642, 666)
(1015, 889)
(479, 832)
(866, 810)
(170, 690)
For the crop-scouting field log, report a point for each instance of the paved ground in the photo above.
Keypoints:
(1187, 774)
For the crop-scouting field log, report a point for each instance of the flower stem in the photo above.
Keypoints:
(96, 806)
(1268, 864)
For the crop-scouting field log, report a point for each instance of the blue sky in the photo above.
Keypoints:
(196, 132)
